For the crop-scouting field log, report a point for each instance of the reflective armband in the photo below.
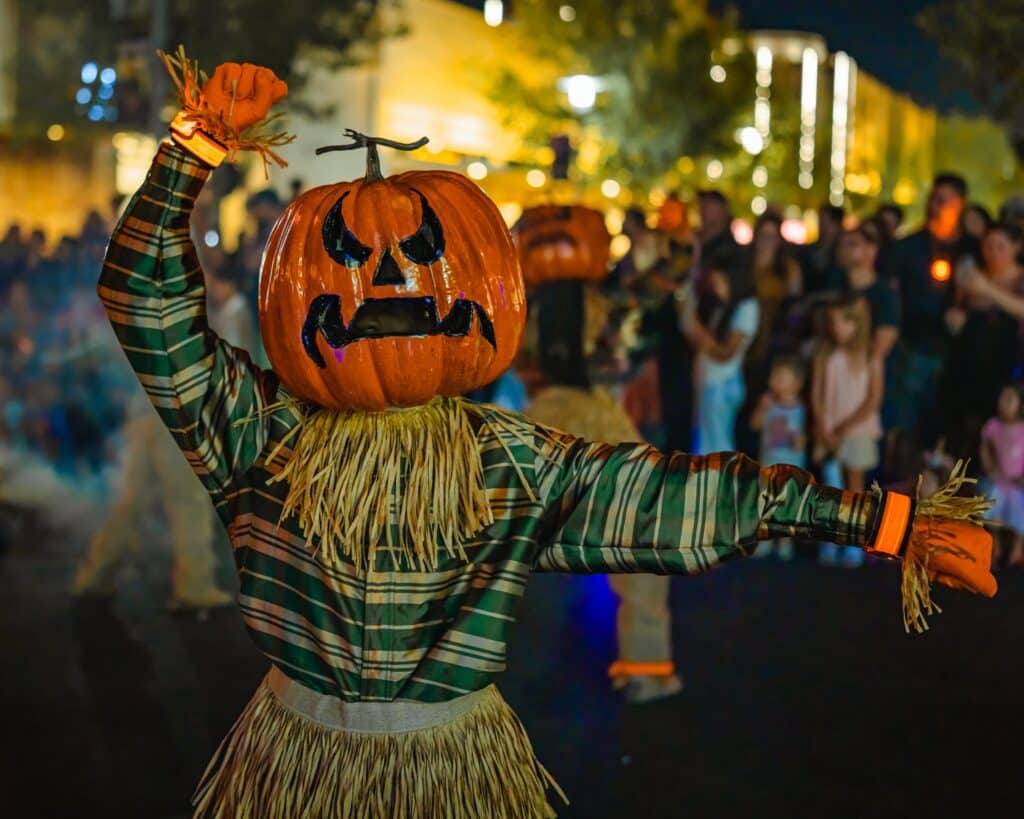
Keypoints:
(202, 146)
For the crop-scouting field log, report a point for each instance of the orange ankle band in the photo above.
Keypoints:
(625, 668)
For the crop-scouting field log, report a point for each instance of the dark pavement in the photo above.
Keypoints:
(804, 696)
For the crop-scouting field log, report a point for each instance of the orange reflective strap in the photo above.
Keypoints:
(893, 526)
(626, 668)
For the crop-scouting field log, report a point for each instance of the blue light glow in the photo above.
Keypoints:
(96, 113)
(107, 76)
(83, 96)
(105, 92)
(89, 72)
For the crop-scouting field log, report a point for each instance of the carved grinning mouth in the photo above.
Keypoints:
(382, 318)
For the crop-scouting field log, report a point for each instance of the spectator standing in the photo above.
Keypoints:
(987, 352)
(1002, 457)
(921, 265)
(846, 397)
(721, 343)
(781, 420)
(889, 218)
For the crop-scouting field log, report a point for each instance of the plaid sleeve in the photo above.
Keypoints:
(631, 508)
(153, 291)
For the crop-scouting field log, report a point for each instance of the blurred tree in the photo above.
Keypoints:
(57, 37)
(652, 61)
(982, 38)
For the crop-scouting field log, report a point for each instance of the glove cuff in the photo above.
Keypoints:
(186, 133)
(893, 523)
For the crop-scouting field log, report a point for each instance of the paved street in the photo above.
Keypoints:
(804, 697)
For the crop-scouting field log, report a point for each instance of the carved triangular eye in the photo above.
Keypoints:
(427, 244)
(340, 242)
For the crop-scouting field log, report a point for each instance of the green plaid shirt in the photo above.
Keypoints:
(383, 634)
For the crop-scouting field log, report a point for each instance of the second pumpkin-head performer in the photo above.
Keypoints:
(383, 529)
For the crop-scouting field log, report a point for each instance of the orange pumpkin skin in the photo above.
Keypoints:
(556, 242)
(478, 265)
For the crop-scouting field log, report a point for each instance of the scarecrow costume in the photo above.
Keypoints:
(382, 552)
(564, 253)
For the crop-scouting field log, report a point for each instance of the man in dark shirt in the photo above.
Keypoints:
(922, 265)
(856, 273)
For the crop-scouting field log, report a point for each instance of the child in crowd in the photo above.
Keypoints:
(846, 396)
(721, 342)
(1002, 458)
(780, 417)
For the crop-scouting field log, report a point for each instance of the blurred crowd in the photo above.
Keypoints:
(66, 390)
(879, 351)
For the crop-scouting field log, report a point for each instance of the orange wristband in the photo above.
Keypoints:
(186, 133)
(891, 532)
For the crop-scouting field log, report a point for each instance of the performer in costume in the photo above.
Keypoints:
(384, 531)
(564, 252)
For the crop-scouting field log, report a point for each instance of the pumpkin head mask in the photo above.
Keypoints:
(385, 293)
(562, 242)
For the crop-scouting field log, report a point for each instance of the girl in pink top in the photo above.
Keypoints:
(846, 393)
(1002, 457)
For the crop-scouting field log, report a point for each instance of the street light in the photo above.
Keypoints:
(494, 12)
(582, 90)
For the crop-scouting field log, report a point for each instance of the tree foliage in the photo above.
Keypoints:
(982, 39)
(653, 57)
(56, 37)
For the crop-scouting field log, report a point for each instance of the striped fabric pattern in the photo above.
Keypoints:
(560, 504)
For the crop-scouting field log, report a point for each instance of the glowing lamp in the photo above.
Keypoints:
(941, 270)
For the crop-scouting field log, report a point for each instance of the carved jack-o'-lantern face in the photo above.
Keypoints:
(385, 293)
(562, 242)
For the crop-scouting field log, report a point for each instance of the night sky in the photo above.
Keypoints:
(879, 34)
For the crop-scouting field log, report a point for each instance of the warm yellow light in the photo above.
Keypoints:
(941, 270)
(494, 12)
(685, 164)
(759, 205)
(904, 192)
(619, 246)
(717, 73)
(657, 197)
(476, 170)
(610, 188)
(715, 169)
(510, 212)
(536, 178)
(613, 220)
(55, 133)
(567, 13)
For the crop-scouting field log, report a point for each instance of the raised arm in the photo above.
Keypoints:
(153, 290)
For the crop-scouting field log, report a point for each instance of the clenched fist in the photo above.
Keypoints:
(243, 94)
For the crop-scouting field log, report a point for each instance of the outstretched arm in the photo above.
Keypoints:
(631, 508)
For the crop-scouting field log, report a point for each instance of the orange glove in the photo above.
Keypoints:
(243, 94)
(956, 554)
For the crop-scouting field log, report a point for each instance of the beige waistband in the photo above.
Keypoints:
(369, 717)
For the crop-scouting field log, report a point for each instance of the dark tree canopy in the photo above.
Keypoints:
(659, 101)
(56, 37)
(983, 39)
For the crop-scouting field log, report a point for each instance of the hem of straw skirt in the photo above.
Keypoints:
(277, 764)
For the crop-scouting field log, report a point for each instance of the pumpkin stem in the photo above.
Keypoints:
(370, 143)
